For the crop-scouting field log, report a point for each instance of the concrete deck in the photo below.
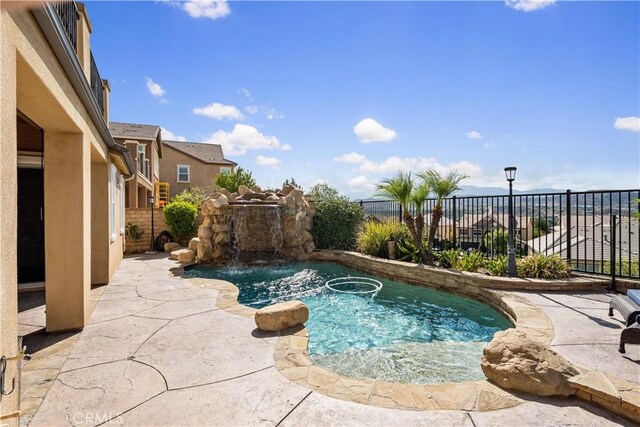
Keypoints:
(157, 351)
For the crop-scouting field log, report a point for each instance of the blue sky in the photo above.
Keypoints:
(349, 92)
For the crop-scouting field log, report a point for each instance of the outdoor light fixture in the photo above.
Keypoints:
(152, 200)
(510, 173)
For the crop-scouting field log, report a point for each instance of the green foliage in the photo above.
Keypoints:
(336, 222)
(134, 234)
(323, 191)
(541, 226)
(442, 186)
(539, 266)
(181, 219)
(193, 195)
(373, 239)
(449, 258)
(497, 241)
(291, 182)
(398, 188)
(407, 251)
(230, 181)
(623, 268)
(497, 266)
(636, 215)
(470, 261)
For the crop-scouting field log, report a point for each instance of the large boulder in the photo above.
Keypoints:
(193, 244)
(186, 256)
(171, 246)
(513, 360)
(281, 316)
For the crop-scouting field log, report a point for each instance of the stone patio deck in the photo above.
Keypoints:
(158, 351)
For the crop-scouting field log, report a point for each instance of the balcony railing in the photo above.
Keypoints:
(97, 87)
(68, 13)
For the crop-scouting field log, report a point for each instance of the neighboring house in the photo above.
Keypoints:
(590, 241)
(189, 164)
(145, 144)
(473, 227)
(61, 172)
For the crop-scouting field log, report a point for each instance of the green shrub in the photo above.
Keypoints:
(539, 266)
(134, 234)
(470, 261)
(230, 181)
(498, 265)
(449, 258)
(373, 239)
(193, 195)
(336, 223)
(408, 251)
(497, 241)
(181, 219)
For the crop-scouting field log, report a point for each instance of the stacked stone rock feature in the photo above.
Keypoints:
(225, 213)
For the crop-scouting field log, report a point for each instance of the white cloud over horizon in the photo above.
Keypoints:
(474, 134)
(368, 130)
(268, 161)
(170, 136)
(631, 123)
(361, 183)
(211, 9)
(270, 113)
(219, 111)
(243, 138)
(528, 5)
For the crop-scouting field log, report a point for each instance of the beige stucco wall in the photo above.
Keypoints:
(33, 81)
(201, 174)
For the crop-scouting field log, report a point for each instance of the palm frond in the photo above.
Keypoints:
(442, 186)
(419, 196)
(398, 188)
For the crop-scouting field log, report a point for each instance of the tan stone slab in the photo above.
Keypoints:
(596, 382)
(262, 398)
(100, 392)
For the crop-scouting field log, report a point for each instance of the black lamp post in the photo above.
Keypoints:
(152, 200)
(510, 172)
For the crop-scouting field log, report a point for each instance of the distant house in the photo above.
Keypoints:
(192, 164)
(473, 227)
(590, 241)
(145, 144)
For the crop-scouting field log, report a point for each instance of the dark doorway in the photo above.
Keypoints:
(30, 225)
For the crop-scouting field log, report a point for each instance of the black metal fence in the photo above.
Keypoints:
(68, 13)
(596, 231)
(97, 87)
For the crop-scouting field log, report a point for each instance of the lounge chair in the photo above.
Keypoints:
(626, 306)
(630, 335)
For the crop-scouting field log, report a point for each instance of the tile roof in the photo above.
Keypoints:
(133, 130)
(206, 153)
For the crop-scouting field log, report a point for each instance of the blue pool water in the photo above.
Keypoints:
(403, 333)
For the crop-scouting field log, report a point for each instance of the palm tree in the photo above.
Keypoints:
(442, 187)
(400, 188)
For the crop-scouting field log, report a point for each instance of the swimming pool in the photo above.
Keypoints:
(401, 333)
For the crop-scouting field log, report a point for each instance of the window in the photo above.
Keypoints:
(225, 169)
(122, 192)
(183, 173)
(112, 201)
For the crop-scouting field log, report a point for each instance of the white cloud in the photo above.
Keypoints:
(170, 136)
(267, 161)
(474, 134)
(368, 130)
(270, 113)
(488, 146)
(212, 9)
(631, 123)
(360, 183)
(219, 111)
(528, 5)
(243, 138)
(351, 158)
(246, 93)
(154, 88)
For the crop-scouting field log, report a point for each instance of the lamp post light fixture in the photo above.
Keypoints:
(152, 200)
(510, 173)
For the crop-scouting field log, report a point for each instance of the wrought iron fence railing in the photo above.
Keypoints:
(598, 232)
